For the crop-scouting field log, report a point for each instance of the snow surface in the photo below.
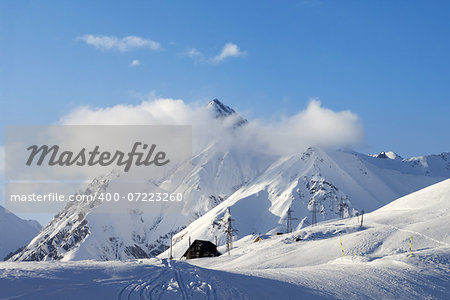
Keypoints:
(376, 264)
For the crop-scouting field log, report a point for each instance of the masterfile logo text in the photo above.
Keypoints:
(48, 167)
(84, 157)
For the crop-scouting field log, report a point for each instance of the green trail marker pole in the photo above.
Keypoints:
(342, 247)
(410, 242)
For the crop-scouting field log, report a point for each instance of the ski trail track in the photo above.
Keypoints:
(178, 280)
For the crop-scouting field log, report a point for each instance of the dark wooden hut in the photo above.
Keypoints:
(200, 248)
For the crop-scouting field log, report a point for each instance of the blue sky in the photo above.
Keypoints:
(387, 61)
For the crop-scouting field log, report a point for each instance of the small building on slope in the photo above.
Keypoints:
(200, 248)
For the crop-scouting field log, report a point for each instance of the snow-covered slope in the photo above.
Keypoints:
(376, 263)
(259, 188)
(143, 279)
(423, 215)
(15, 232)
(333, 183)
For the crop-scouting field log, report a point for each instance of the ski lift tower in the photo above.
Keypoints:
(314, 213)
(229, 230)
(289, 220)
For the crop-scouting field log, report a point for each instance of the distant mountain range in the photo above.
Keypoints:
(15, 233)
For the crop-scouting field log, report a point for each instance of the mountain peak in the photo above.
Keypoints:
(388, 154)
(221, 110)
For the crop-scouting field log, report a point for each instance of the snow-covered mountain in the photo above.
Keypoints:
(15, 233)
(387, 155)
(83, 232)
(222, 111)
(259, 188)
(332, 183)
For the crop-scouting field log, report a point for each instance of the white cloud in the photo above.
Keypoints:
(196, 55)
(229, 50)
(135, 63)
(124, 44)
(313, 126)
(193, 53)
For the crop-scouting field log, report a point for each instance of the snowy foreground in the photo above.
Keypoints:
(376, 263)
